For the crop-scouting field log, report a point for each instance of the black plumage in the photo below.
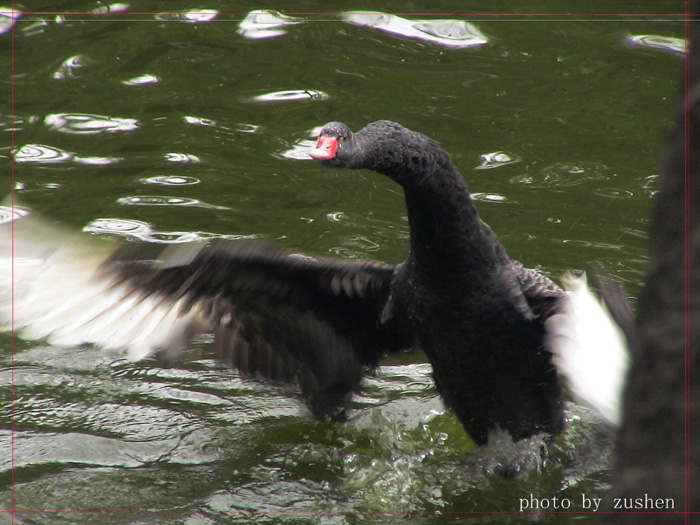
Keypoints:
(477, 314)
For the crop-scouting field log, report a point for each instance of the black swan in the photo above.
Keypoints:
(481, 317)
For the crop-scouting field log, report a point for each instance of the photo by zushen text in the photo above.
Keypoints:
(587, 504)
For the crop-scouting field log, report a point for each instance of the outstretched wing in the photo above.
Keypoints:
(281, 316)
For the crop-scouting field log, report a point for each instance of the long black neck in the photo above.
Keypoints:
(446, 232)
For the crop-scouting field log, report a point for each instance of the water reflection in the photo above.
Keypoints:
(335, 217)
(8, 15)
(156, 200)
(141, 80)
(172, 180)
(68, 67)
(9, 214)
(564, 174)
(133, 229)
(614, 193)
(651, 185)
(181, 157)
(291, 94)
(129, 228)
(300, 149)
(676, 45)
(192, 16)
(199, 121)
(496, 159)
(42, 154)
(112, 8)
(265, 24)
(85, 124)
(488, 197)
(598, 245)
(34, 28)
(450, 33)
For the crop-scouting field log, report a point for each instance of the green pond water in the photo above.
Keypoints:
(166, 122)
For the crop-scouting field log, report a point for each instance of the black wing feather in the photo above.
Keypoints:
(316, 322)
(541, 293)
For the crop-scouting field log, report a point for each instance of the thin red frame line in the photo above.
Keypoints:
(92, 13)
(686, 338)
(343, 512)
(12, 266)
(686, 15)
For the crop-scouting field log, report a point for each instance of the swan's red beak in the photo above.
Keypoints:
(325, 149)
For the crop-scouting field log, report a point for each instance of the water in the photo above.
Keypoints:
(168, 127)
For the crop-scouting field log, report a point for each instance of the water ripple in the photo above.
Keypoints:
(449, 33)
(300, 149)
(42, 154)
(265, 23)
(676, 45)
(588, 244)
(172, 180)
(134, 229)
(8, 15)
(86, 124)
(564, 174)
(292, 94)
(192, 16)
(126, 227)
(156, 200)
